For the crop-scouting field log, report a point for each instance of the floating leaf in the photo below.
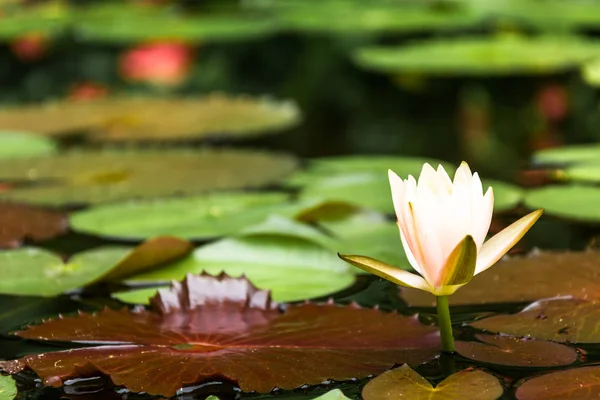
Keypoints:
(8, 388)
(199, 217)
(574, 384)
(95, 177)
(516, 352)
(502, 55)
(335, 394)
(405, 382)
(37, 272)
(526, 279)
(573, 202)
(22, 144)
(207, 326)
(18, 311)
(48, 20)
(566, 320)
(565, 155)
(163, 119)
(293, 263)
(19, 222)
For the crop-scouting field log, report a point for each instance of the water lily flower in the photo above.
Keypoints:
(443, 225)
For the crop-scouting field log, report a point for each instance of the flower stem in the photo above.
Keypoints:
(445, 324)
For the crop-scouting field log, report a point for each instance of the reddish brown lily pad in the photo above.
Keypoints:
(567, 320)
(516, 352)
(526, 279)
(19, 222)
(221, 327)
(573, 384)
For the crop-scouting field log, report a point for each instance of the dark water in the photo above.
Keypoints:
(368, 291)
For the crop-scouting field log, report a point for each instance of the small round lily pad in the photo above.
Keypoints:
(97, 176)
(24, 144)
(573, 202)
(199, 217)
(502, 55)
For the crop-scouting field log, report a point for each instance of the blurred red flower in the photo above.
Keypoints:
(30, 47)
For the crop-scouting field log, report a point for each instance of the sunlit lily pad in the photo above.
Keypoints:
(19, 222)
(162, 118)
(503, 55)
(404, 382)
(335, 394)
(96, 177)
(219, 326)
(574, 384)
(48, 20)
(563, 320)
(525, 279)
(8, 388)
(292, 262)
(516, 352)
(37, 272)
(199, 217)
(573, 202)
(573, 154)
(23, 144)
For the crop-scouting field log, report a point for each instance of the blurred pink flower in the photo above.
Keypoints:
(158, 63)
(30, 47)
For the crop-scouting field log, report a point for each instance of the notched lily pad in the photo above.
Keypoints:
(562, 320)
(574, 384)
(406, 383)
(526, 279)
(37, 272)
(220, 326)
(503, 55)
(516, 352)
(573, 202)
(19, 222)
(96, 176)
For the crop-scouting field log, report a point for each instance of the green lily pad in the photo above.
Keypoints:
(293, 267)
(503, 55)
(573, 384)
(122, 118)
(96, 177)
(335, 394)
(573, 154)
(8, 388)
(23, 144)
(199, 217)
(35, 272)
(573, 202)
(48, 20)
(405, 382)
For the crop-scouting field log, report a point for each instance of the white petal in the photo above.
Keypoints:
(426, 246)
(482, 217)
(502, 242)
(408, 251)
(397, 187)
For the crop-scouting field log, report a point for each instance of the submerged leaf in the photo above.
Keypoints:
(562, 320)
(404, 382)
(516, 352)
(574, 384)
(220, 326)
(523, 279)
(19, 222)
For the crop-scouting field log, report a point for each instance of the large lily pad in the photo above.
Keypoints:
(503, 55)
(574, 384)
(207, 327)
(199, 217)
(573, 154)
(573, 202)
(516, 352)
(563, 320)
(163, 119)
(523, 279)
(8, 388)
(406, 383)
(294, 261)
(23, 144)
(95, 177)
(49, 20)
(37, 272)
(19, 222)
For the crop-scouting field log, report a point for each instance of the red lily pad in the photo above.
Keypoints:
(19, 222)
(516, 352)
(404, 382)
(573, 384)
(221, 327)
(567, 320)
(525, 279)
